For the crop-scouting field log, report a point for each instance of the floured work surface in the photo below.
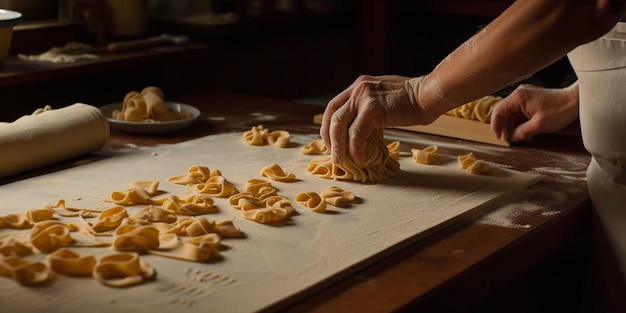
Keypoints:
(271, 265)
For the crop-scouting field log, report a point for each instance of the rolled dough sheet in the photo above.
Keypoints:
(272, 265)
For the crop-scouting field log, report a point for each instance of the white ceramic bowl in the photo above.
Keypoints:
(148, 128)
(8, 19)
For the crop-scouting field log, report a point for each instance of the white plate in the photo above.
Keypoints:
(151, 128)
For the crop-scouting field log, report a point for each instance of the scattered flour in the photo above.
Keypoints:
(263, 117)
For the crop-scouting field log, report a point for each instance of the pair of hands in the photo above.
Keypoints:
(373, 102)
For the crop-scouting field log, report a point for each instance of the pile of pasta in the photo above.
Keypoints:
(147, 106)
(479, 109)
(379, 163)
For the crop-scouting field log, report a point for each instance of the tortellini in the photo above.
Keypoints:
(259, 136)
(427, 155)
(147, 106)
(261, 203)
(472, 165)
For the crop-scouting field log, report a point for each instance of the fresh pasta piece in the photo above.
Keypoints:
(147, 106)
(123, 270)
(279, 138)
(379, 165)
(15, 248)
(256, 135)
(265, 211)
(150, 186)
(260, 136)
(472, 165)
(48, 236)
(312, 200)
(195, 205)
(479, 109)
(196, 174)
(260, 189)
(139, 239)
(38, 215)
(25, 272)
(67, 262)
(337, 196)
(217, 186)
(14, 221)
(133, 196)
(153, 214)
(228, 229)
(394, 149)
(110, 219)
(425, 156)
(275, 172)
(62, 209)
(198, 249)
(264, 215)
(199, 226)
(316, 147)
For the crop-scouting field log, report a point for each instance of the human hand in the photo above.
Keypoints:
(532, 110)
(371, 102)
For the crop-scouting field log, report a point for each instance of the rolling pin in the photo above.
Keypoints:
(50, 136)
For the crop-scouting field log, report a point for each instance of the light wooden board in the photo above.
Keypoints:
(273, 265)
(454, 127)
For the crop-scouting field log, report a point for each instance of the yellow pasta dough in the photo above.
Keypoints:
(312, 200)
(48, 236)
(109, 219)
(268, 210)
(67, 262)
(259, 136)
(275, 172)
(147, 106)
(394, 149)
(479, 109)
(379, 165)
(15, 248)
(123, 270)
(472, 165)
(25, 272)
(316, 147)
(425, 156)
(217, 186)
(337, 196)
(196, 174)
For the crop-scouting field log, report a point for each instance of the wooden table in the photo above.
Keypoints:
(450, 270)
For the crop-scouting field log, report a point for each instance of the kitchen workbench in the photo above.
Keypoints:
(451, 270)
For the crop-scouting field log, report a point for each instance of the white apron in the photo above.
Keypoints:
(601, 70)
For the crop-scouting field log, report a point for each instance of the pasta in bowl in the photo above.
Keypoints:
(190, 114)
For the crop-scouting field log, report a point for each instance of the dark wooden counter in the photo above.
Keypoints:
(452, 270)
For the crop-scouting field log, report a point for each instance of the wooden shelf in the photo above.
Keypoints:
(18, 71)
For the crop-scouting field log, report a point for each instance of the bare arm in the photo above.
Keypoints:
(527, 37)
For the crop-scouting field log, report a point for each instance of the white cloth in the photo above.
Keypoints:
(51, 136)
(601, 69)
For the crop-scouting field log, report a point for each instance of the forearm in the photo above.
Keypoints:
(493, 58)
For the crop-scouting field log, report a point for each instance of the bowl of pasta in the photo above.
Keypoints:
(172, 116)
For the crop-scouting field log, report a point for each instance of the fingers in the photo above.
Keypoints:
(359, 132)
(338, 131)
(337, 102)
